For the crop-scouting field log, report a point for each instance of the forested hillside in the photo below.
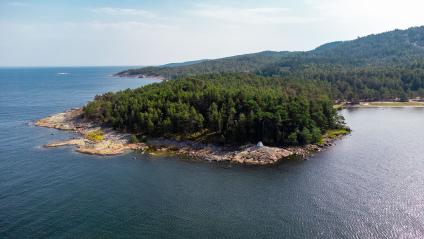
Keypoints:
(375, 67)
(368, 83)
(243, 63)
(223, 108)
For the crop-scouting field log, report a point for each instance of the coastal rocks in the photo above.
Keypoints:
(107, 147)
(251, 155)
(260, 155)
(93, 139)
(62, 121)
(111, 142)
(104, 147)
(76, 142)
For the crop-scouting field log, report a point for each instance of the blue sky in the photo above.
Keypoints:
(128, 32)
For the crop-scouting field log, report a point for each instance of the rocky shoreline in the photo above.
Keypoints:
(127, 75)
(112, 142)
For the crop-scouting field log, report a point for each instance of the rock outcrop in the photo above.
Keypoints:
(113, 143)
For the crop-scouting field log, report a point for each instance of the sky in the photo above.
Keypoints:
(152, 32)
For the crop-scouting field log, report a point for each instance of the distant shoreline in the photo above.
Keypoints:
(381, 104)
(140, 76)
(389, 104)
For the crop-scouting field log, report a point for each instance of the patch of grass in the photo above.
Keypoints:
(339, 106)
(95, 135)
(334, 133)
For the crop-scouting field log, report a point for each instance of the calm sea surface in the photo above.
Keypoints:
(369, 185)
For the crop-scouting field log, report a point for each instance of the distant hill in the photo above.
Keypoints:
(389, 48)
(242, 63)
(384, 66)
(186, 63)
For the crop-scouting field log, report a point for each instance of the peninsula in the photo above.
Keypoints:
(221, 109)
(216, 117)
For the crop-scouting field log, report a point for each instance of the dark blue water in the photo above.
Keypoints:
(369, 185)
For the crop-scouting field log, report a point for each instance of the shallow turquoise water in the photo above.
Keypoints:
(369, 185)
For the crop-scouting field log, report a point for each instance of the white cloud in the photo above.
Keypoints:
(382, 14)
(123, 12)
(129, 26)
(257, 15)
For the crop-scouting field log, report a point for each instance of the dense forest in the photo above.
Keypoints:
(377, 67)
(280, 98)
(369, 83)
(231, 108)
